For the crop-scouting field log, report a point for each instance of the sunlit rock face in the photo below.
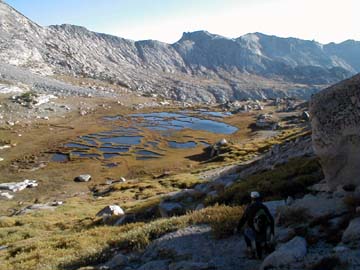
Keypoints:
(336, 131)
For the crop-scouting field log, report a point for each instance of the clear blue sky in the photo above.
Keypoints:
(165, 20)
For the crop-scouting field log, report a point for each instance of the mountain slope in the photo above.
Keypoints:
(199, 67)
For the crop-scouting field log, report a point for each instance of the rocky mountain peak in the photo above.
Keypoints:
(282, 66)
(199, 36)
(70, 28)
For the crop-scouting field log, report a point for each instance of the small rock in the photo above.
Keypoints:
(222, 142)
(111, 210)
(122, 179)
(3, 247)
(109, 182)
(83, 178)
(1, 159)
(57, 203)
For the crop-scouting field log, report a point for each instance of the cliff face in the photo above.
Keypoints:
(199, 67)
(336, 131)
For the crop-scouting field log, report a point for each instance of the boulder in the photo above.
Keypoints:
(200, 206)
(117, 261)
(168, 209)
(321, 205)
(340, 249)
(335, 121)
(83, 178)
(128, 218)
(111, 210)
(273, 206)
(184, 194)
(6, 195)
(18, 186)
(352, 232)
(222, 142)
(6, 146)
(288, 253)
(158, 265)
(189, 265)
(36, 207)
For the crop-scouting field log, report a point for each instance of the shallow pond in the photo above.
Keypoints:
(183, 145)
(114, 143)
(175, 121)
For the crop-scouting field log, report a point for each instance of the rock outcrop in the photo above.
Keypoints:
(335, 115)
(352, 232)
(293, 251)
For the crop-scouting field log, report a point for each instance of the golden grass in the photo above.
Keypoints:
(70, 236)
(49, 245)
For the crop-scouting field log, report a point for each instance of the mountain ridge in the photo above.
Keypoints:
(199, 67)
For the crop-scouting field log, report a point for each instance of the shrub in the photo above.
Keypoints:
(7, 222)
(222, 219)
(294, 216)
(285, 180)
(352, 201)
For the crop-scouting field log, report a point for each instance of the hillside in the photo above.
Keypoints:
(200, 67)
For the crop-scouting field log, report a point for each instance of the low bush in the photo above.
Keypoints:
(352, 201)
(294, 216)
(285, 180)
(223, 220)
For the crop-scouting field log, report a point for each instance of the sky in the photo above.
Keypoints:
(165, 20)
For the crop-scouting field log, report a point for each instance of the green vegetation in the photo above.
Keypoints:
(245, 152)
(28, 96)
(285, 180)
(352, 202)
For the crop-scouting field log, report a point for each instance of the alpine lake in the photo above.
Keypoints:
(146, 136)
